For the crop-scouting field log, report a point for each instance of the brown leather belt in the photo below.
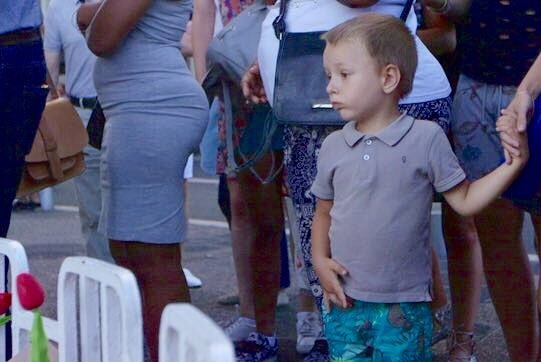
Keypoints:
(20, 37)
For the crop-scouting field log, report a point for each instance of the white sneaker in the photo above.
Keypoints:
(283, 299)
(240, 329)
(308, 331)
(192, 280)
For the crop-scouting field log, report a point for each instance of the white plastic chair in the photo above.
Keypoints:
(21, 319)
(99, 312)
(188, 335)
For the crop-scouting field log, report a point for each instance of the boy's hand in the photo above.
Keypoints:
(329, 271)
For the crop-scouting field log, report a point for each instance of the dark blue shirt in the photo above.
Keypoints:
(501, 40)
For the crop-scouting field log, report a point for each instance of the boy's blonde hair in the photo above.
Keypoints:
(387, 39)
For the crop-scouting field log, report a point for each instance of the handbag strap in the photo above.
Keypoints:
(51, 148)
(279, 24)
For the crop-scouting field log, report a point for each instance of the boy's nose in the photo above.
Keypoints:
(330, 87)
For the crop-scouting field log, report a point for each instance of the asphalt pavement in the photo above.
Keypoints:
(50, 236)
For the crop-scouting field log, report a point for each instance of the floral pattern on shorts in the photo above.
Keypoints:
(375, 332)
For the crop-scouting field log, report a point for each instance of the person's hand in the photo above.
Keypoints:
(514, 121)
(329, 272)
(509, 135)
(252, 85)
(514, 142)
(85, 14)
(523, 106)
(61, 90)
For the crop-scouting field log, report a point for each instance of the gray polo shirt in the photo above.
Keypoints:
(382, 188)
(62, 35)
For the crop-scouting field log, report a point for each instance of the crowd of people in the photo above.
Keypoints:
(435, 108)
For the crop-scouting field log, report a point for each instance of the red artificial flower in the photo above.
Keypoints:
(30, 292)
(5, 302)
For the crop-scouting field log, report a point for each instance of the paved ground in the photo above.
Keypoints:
(51, 236)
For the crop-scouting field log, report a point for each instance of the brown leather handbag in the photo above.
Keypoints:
(57, 151)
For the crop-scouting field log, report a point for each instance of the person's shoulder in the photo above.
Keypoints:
(426, 126)
(427, 129)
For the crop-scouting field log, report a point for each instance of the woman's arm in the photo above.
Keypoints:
(517, 114)
(439, 35)
(204, 16)
(112, 22)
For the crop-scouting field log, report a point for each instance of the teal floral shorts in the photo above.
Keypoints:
(379, 332)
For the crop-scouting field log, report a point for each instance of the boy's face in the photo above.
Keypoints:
(355, 84)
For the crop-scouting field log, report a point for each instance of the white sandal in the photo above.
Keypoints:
(461, 351)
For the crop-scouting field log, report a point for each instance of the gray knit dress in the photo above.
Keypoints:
(156, 115)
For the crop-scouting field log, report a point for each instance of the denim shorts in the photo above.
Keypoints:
(399, 332)
(476, 108)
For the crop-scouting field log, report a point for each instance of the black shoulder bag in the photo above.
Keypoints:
(300, 97)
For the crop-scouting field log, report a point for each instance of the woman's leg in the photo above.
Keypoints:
(439, 298)
(465, 269)
(156, 268)
(509, 277)
(264, 203)
(243, 235)
(536, 221)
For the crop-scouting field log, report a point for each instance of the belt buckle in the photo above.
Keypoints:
(81, 102)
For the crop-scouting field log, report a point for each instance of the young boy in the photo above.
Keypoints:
(375, 182)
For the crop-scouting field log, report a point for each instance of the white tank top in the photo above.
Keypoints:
(430, 82)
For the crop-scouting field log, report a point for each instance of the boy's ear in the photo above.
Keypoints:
(390, 78)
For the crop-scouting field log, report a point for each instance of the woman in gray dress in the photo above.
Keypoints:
(156, 115)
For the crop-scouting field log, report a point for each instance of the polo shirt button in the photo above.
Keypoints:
(366, 157)
(369, 142)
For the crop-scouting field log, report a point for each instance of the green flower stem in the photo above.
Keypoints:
(39, 349)
(4, 319)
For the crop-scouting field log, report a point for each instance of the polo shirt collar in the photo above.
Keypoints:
(391, 135)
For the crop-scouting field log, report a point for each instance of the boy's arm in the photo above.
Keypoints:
(468, 198)
(327, 269)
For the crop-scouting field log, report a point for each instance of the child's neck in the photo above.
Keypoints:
(377, 121)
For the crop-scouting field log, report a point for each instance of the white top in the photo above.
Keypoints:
(430, 82)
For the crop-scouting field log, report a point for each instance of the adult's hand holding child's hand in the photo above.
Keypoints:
(514, 141)
(329, 271)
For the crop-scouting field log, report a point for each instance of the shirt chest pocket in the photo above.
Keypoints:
(354, 174)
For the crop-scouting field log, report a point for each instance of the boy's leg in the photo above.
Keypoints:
(379, 332)
(403, 332)
(348, 332)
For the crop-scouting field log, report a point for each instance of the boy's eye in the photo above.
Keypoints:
(328, 75)
(344, 74)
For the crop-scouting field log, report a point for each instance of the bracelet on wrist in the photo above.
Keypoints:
(444, 8)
